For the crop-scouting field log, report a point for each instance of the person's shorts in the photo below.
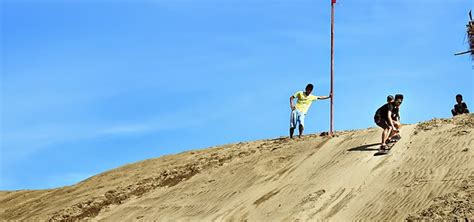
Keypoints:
(296, 118)
(381, 122)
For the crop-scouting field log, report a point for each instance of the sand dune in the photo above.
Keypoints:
(429, 174)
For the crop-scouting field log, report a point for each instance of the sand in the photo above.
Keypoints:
(429, 174)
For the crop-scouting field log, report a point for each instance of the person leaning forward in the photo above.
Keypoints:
(383, 119)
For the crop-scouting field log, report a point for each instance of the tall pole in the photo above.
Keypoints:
(331, 128)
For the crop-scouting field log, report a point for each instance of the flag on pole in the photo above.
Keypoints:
(333, 1)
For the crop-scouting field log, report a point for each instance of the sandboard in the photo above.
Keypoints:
(386, 151)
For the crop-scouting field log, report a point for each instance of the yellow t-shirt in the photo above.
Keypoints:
(304, 102)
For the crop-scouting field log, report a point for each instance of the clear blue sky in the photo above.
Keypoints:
(87, 86)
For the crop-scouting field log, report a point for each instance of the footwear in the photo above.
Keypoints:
(383, 147)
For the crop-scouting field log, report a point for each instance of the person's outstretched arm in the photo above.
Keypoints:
(324, 97)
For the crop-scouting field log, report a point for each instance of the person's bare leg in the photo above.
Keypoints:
(397, 127)
(392, 134)
(385, 134)
(292, 131)
(301, 129)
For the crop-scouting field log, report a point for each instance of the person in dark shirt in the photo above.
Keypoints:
(396, 118)
(389, 99)
(383, 119)
(459, 108)
(395, 112)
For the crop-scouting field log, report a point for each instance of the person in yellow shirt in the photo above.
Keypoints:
(298, 111)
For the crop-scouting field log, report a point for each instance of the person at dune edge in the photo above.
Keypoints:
(298, 111)
(460, 107)
(384, 119)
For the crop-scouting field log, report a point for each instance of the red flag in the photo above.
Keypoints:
(333, 1)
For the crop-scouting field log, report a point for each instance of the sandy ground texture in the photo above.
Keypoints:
(429, 174)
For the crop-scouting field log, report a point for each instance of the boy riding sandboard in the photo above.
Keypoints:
(384, 119)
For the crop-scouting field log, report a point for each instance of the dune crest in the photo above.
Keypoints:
(428, 175)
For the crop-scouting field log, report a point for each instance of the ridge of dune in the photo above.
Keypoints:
(428, 175)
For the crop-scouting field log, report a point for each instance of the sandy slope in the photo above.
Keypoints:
(428, 174)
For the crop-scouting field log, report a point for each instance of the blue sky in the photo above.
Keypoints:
(87, 86)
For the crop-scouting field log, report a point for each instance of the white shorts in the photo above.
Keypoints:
(296, 117)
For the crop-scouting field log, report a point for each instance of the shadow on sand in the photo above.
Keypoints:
(367, 147)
